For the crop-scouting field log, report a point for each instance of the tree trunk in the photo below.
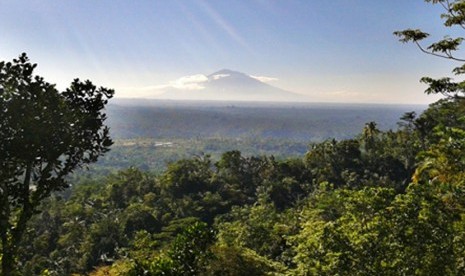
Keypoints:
(11, 237)
(7, 260)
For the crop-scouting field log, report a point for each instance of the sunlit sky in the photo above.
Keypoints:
(332, 51)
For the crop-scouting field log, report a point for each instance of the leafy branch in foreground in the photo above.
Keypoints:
(447, 48)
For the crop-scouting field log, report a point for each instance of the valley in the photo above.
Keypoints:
(150, 134)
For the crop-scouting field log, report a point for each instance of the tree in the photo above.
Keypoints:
(189, 254)
(373, 231)
(442, 125)
(447, 47)
(342, 232)
(187, 176)
(45, 135)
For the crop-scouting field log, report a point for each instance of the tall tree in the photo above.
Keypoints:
(44, 136)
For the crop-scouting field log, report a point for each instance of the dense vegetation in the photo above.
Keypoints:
(382, 203)
(154, 155)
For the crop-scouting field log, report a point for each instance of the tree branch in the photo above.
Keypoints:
(450, 11)
(27, 209)
(448, 56)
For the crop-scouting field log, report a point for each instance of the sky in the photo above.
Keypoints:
(330, 51)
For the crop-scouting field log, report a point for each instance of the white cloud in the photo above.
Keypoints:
(264, 79)
(219, 76)
(193, 82)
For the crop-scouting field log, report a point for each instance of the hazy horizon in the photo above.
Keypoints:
(156, 102)
(337, 51)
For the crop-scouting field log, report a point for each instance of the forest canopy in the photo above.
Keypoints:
(381, 203)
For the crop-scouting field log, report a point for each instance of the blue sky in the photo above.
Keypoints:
(336, 51)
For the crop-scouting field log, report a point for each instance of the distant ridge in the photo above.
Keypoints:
(229, 85)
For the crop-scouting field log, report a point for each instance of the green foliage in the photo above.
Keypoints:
(380, 203)
(254, 228)
(411, 35)
(153, 154)
(373, 231)
(189, 251)
(345, 208)
(232, 260)
(330, 159)
(443, 162)
(45, 135)
(188, 254)
(187, 176)
(447, 47)
(341, 232)
(376, 159)
(101, 243)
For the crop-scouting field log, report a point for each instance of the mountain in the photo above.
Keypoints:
(230, 86)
